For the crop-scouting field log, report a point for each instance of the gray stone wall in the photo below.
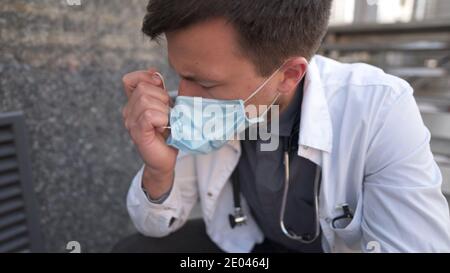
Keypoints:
(62, 66)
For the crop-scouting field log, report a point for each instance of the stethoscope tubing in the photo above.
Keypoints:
(307, 238)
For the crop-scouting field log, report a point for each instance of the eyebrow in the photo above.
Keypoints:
(192, 78)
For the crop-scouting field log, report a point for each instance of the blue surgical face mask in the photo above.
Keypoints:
(201, 126)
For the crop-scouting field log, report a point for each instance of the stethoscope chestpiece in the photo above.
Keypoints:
(238, 218)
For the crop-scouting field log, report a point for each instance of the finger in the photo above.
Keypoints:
(148, 104)
(155, 91)
(161, 77)
(140, 129)
(149, 120)
(131, 80)
(148, 90)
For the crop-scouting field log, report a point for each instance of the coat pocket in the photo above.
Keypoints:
(350, 231)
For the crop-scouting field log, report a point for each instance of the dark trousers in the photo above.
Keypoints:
(191, 238)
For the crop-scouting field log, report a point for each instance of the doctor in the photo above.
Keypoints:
(352, 170)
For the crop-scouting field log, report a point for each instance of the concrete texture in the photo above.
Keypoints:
(62, 66)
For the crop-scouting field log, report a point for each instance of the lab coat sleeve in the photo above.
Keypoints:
(404, 209)
(159, 220)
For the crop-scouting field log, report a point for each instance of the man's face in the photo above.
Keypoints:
(207, 57)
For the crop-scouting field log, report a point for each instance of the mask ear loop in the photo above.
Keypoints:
(271, 105)
(260, 88)
(162, 79)
(164, 87)
(267, 110)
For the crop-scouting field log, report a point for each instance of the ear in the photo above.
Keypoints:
(293, 72)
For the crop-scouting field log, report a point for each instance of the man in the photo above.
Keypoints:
(380, 189)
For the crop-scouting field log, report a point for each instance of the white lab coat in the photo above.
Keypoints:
(364, 129)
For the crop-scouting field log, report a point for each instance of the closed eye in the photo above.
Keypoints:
(203, 84)
(207, 87)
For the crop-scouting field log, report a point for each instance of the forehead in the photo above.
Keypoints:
(209, 48)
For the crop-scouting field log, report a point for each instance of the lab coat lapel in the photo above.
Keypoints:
(214, 171)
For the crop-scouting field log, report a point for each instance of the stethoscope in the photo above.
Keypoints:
(306, 238)
(238, 218)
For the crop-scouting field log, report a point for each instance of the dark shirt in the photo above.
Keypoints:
(261, 177)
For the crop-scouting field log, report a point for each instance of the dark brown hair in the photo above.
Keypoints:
(270, 31)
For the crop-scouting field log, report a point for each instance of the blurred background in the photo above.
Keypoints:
(66, 161)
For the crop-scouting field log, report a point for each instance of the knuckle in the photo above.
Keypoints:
(139, 95)
(126, 78)
(142, 86)
(147, 99)
(148, 115)
(132, 126)
(151, 102)
(144, 101)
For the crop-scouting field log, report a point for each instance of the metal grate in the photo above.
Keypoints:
(19, 228)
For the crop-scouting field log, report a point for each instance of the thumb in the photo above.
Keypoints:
(158, 79)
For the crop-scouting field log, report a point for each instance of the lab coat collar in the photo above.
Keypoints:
(316, 129)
